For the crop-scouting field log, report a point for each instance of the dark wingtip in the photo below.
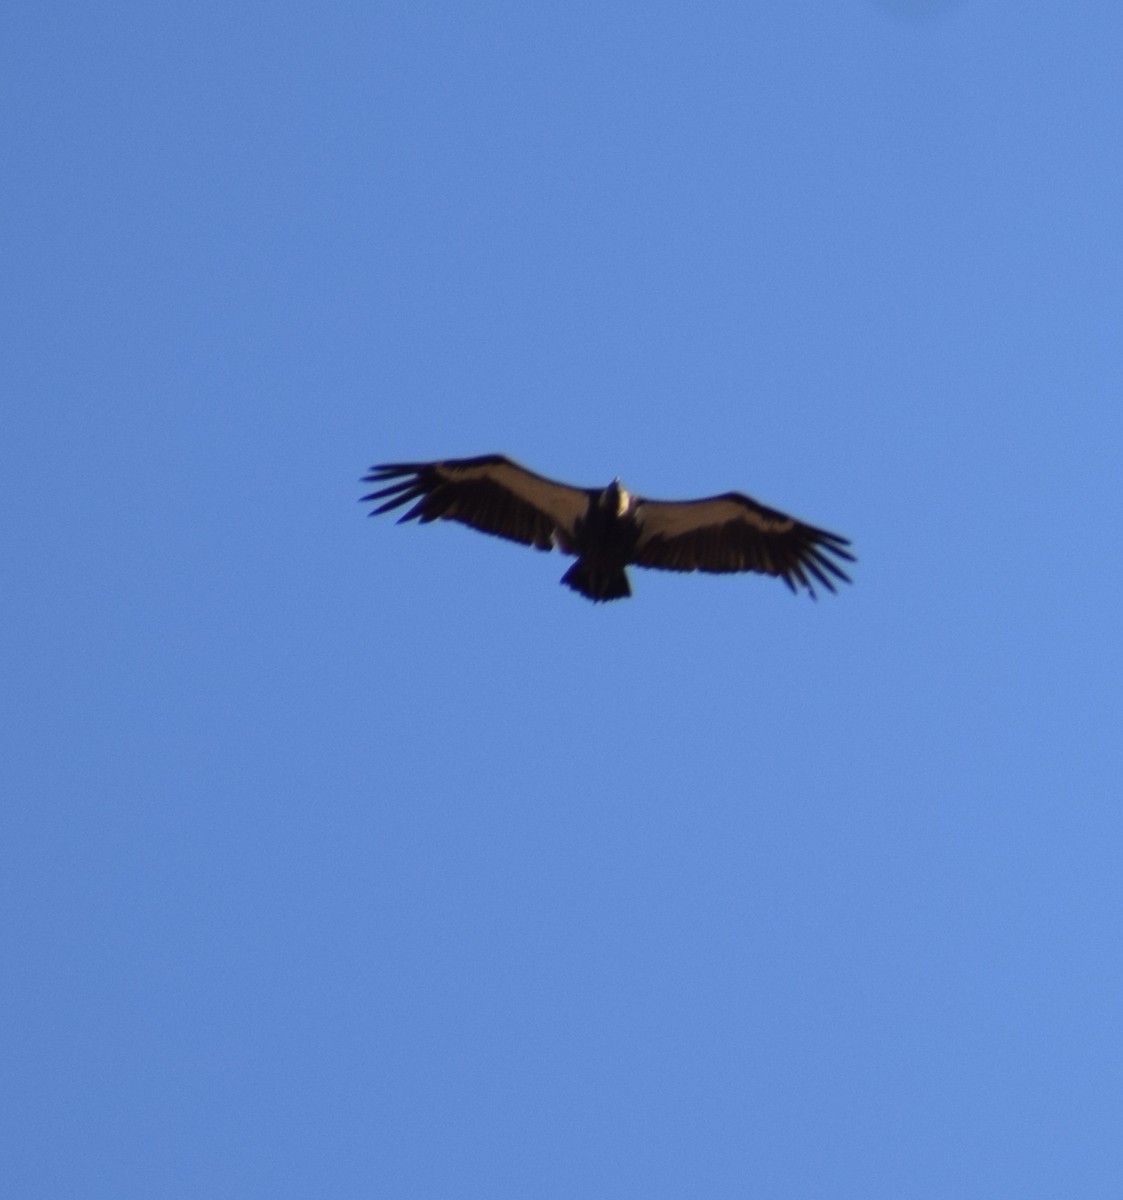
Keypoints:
(403, 485)
(381, 472)
(399, 485)
(824, 580)
(397, 502)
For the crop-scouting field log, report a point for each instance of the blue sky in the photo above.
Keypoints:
(349, 859)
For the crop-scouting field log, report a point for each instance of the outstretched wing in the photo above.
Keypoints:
(492, 494)
(734, 533)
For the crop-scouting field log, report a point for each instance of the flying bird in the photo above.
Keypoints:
(609, 529)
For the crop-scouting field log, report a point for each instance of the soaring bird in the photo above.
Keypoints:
(609, 529)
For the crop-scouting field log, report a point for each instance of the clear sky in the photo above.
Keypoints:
(347, 859)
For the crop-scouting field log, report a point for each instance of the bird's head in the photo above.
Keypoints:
(615, 499)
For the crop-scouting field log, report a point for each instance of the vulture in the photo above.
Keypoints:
(609, 529)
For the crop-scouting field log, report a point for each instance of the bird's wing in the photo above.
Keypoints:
(492, 493)
(734, 533)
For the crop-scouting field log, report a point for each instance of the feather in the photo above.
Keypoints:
(733, 532)
(493, 494)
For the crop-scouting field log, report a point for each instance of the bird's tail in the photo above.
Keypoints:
(597, 582)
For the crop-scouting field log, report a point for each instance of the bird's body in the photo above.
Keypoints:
(609, 529)
(606, 536)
